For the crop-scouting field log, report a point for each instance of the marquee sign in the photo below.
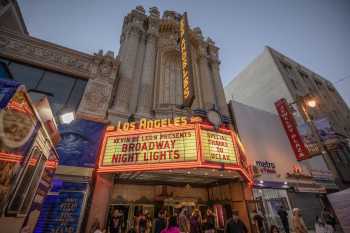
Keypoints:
(218, 147)
(184, 145)
(186, 62)
(160, 147)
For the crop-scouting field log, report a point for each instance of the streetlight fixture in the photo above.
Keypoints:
(67, 118)
(308, 101)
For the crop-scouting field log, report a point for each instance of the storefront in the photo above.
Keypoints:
(270, 193)
(27, 157)
(169, 164)
(305, 194)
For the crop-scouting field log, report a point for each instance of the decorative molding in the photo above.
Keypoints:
(44, 54)
(98, 92)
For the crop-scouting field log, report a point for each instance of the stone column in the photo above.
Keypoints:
(98, 91)
(219, 89)
(145, 98)
(132, 31)
(207, 88)
(100, 201)
(127, 66)
(138, 69)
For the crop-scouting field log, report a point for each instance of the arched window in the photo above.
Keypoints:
(170, 91)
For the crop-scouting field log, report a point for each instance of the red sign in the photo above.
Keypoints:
(289, 125)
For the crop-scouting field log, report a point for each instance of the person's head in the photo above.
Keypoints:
(235, 214)
(172, 222)
(319, 220)
(209, 211)
(161, 214)
(274, 229)
(116, 213)
(296, 212)
(195, 213)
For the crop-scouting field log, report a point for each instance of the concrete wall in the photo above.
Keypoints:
(264, 138)
(259, 85)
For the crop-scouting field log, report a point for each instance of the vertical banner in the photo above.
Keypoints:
(289, 125)
(186, 63)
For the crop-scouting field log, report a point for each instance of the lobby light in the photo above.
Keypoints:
(67, 118)
(311, 103)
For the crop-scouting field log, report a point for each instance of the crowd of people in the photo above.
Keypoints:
(183, 222)
(325, 223)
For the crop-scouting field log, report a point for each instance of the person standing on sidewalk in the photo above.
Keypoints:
(235, 224)
(298, 222)
(284, 218)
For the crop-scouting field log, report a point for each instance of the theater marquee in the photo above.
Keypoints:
(178, 143)
(158, 147)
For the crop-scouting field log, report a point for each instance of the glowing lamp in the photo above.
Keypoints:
(311, 103)
(67, 118)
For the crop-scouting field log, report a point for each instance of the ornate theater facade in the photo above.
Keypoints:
(170, 143)
(152, 127)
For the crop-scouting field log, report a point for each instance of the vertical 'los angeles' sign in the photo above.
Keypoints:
(186, 63)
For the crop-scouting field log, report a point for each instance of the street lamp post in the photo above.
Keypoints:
(302, 103)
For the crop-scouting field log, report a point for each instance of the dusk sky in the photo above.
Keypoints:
(314, 33)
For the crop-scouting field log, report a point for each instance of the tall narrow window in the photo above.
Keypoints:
(170, 91)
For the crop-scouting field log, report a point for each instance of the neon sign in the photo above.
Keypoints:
(144, 123)
(186, 63)
(151, 147)
(218, 147)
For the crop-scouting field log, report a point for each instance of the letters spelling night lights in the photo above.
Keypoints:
(152, 147)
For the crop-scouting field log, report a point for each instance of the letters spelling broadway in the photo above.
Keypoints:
(153, 147)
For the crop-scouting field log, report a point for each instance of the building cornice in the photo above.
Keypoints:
(29, 50)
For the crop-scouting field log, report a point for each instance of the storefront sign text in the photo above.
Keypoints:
(187, 73)
(144, 123)
(218, 147)
(266, 166)
(290, 127)
(151, 148)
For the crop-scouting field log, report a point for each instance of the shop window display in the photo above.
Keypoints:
(269, 201)
(28, 183)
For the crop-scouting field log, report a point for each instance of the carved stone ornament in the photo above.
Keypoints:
(96, 98)
(168, 40)
(30, 50)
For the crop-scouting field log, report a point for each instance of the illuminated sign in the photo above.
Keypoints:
(161, 147)
(266, 166)
(218, 147)
(144, 123)
(188, 146)
(290, 127)
(186, 63)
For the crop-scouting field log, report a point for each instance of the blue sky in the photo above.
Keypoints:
(314, 33)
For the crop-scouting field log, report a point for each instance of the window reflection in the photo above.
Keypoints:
(59, 86)
(63, 92)
(27, 75)
(4, 74)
